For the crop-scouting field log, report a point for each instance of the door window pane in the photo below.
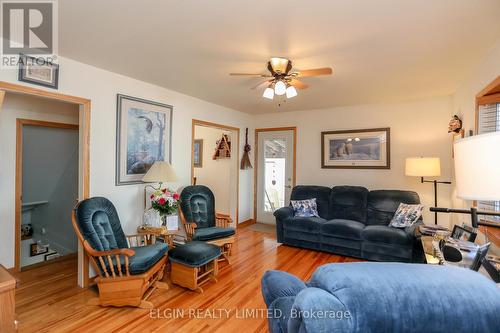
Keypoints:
(274, 181)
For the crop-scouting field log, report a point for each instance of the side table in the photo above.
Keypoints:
(167, 235)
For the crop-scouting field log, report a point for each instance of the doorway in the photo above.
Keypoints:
(215, 164)
(275, 173)
(47, 169)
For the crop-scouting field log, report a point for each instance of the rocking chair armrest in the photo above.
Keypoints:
(125, 252)
(223, 220)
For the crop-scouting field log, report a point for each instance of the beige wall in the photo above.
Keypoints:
(217, 174)
(418, 128)
(464, 105)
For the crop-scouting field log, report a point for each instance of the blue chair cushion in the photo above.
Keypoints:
(343, 229)
(206, 234)
(145, 257)
(99, 224)
(198, 205)
(387, 235)
(194, 254)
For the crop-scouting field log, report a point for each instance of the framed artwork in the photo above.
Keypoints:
(143, 136)
(356, 149)
(463, 233)
(51, 256)
(455, 137)
(38, 71)
(37, 249)
(198, 153)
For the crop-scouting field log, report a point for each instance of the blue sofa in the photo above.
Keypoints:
(353, 222)
(382, 297)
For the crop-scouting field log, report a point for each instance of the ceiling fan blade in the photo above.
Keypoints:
(249, 74)
(262, 84)
(298, 84)
(315, 72)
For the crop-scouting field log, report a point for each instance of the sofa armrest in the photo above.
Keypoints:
(283, 213)
(276, 284)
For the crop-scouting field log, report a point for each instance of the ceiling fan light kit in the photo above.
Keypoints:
(284, 81)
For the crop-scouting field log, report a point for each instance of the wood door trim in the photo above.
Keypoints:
(197, 122)
(256, 162)
(85, 111)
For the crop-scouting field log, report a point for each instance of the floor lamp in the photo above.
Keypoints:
(426, 167)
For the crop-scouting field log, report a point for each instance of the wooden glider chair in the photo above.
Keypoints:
(129, 268)
(202, 223)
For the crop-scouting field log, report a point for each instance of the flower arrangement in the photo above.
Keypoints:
(165, 201)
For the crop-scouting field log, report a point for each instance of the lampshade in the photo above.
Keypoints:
(291, 92)
(423, 166)
(160, 172)
(279, 88)
(477, 163)
(268, 93)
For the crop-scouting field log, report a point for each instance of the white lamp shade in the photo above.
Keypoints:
(477, 163)
(280, 88)
(423, 166)
(160, 172)
(268, 93)
(291, 92)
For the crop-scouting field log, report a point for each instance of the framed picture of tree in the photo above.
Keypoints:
(143, 136)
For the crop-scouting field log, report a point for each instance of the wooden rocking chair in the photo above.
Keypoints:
(129, 268)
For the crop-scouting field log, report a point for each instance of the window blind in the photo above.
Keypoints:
(489, 121)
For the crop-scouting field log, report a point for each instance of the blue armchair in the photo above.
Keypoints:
(382, 297)
(129, 268)
(202, 223)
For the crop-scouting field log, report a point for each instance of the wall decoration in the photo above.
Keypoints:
(51, 256)
(356, 149)
(223, 148)
(245, 160)
(455, 125)
(455, 137)
(26, 231)
(198, 153)
(37, 249)
(38, 71)
(143, 136)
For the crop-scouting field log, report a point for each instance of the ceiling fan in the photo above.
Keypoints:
(282, 80)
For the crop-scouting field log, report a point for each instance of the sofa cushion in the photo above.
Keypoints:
(348, 203)
(388, 235)
(304, 224)
(206, 234)
(382, 204)
(321, 193)
(343, 228)
(146, 256)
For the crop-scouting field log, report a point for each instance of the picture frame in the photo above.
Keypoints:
(38, 249)
(356, 149)
(38, 71)
(198, 153)
(463, 233)
(143, 136)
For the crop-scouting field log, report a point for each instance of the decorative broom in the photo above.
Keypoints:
(245, 160)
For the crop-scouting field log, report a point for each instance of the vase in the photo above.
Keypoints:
(171, 222)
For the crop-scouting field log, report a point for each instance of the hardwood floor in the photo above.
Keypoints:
(48, 299)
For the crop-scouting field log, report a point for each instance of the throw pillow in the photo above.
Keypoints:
(406, 215)
(305, 208)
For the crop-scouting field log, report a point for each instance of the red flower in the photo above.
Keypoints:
(152, 196)
(161, 201)
(176, 196)
(164, 190)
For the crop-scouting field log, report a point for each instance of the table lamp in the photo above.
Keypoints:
(426, 167)
(477, 160)
(160, 172)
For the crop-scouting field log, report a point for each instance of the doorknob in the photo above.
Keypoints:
(288, 186)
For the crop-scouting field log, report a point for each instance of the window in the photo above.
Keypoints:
(489, 121)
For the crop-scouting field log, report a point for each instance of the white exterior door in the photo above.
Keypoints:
(275, 172)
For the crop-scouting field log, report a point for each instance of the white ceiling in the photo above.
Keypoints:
(381, 51)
